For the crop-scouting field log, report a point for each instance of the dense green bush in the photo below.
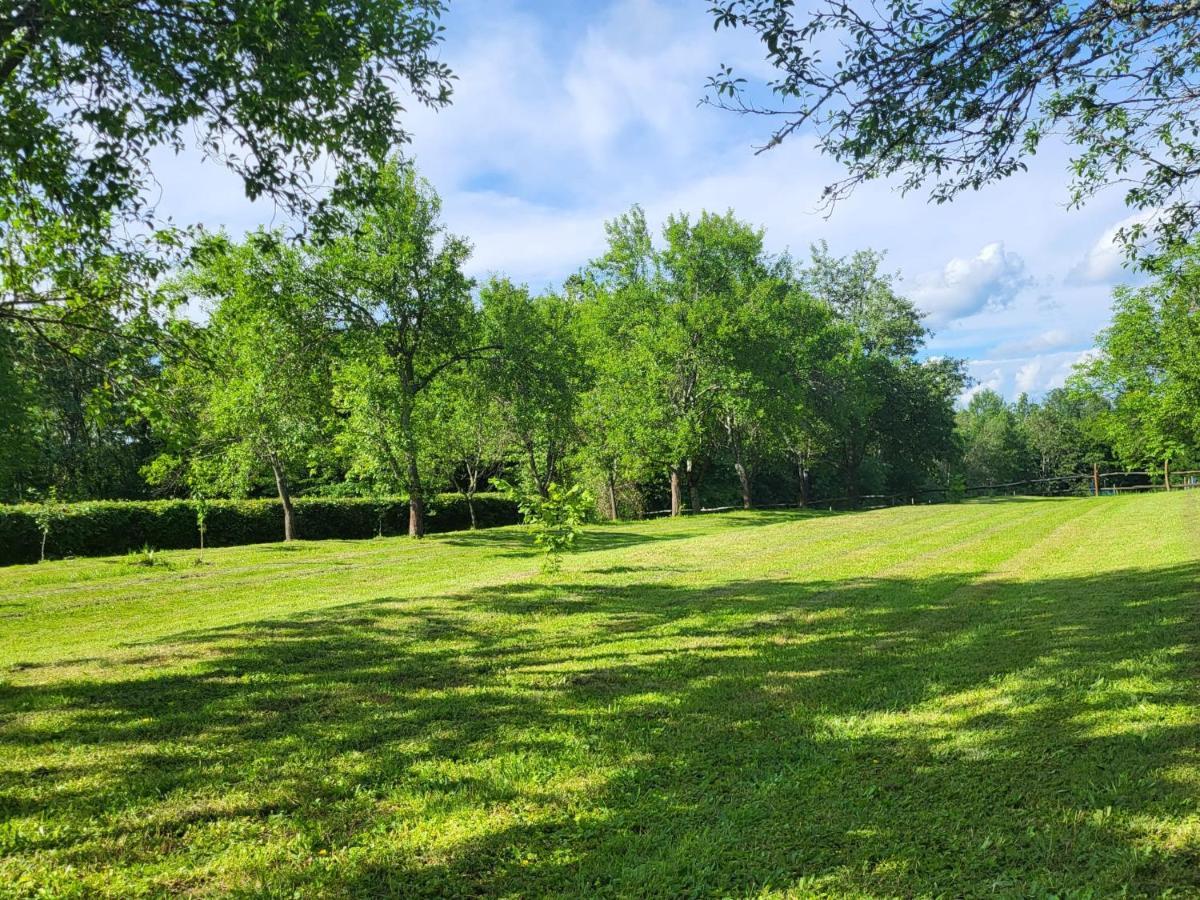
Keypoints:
(110, 527)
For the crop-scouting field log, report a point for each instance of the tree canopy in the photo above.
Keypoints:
(88, 92)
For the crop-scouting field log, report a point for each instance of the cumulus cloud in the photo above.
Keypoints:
(1033, 375)
(990, 279)
(1105, 261)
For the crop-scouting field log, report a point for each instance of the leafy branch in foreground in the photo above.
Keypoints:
(89, 90)
(959, 95)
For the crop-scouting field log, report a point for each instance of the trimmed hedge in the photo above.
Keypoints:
(110, 527)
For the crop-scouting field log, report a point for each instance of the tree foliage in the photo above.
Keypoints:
(248, 397)
(393, 286)
(89, 90)
(1146, 374)
(955, 96)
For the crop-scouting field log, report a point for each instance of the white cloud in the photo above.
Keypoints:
(990, 279)
(1049, 339)
(1033, 375)
(1106, 260)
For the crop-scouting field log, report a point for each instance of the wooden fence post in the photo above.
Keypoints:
(1096, 479)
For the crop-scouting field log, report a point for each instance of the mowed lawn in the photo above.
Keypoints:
(988, 698)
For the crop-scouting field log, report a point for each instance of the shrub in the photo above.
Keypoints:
(112, 527)
(554, 519)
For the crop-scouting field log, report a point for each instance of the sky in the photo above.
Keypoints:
(565, 114)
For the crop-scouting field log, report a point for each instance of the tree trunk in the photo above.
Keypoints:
(416, 496)
(541, 480)
(285, 499)
(471, 509)
(412, 474)
(676, 490)
(612, 497)
(802, 471)
(693, 480)
(744, 479)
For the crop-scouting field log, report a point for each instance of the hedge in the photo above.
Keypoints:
(110, 527)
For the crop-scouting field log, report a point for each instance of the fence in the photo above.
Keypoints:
(1094, 483)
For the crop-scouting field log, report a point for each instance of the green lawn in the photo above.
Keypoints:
(990, 698)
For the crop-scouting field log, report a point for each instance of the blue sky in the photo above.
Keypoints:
(564, 114)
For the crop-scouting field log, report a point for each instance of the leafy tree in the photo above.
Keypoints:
(1059, 431)
(959, 95)
(994, 448)
(202, 508)
(49, 513)
(554, 518)
(917, 427)
(536, 375)
(252, 393)
(88, 91)
(682, 322)
(394, 289)
(1147, 371)
(881, 333)
(611, 415)
(468, 442)
(647, 377)
(68, 411)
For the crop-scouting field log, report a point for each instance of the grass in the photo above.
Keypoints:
(992, 698)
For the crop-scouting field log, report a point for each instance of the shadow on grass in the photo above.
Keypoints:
(600, 537)
(937, 736)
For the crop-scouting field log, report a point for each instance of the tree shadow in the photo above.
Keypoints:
(517, 542)
(943, 735)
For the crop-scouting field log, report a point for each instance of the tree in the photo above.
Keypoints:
(69, 415)
(959, 95)
(536, 375)
(89, 90)
(468, 442)
(643, 367)
(881, 333)
(1148, 368)
(994, 448)
(251, 395)
(394, 290)
(1060, 431)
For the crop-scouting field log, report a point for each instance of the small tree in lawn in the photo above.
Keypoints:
(555, 518)
(201, 503)
(49, 512)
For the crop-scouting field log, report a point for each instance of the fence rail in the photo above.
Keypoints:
(1183, 480)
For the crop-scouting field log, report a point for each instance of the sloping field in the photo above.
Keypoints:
(989, 698)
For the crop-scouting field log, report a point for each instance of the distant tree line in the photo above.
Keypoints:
(1134, 404)
(685, 367)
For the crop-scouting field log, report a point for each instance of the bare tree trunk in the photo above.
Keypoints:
(744, 478)
(285, 499)
(802, 471)
(612, 496)
(693, 479)
(676, 490)
(416, 498)
(416, 493)
(471, 509)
